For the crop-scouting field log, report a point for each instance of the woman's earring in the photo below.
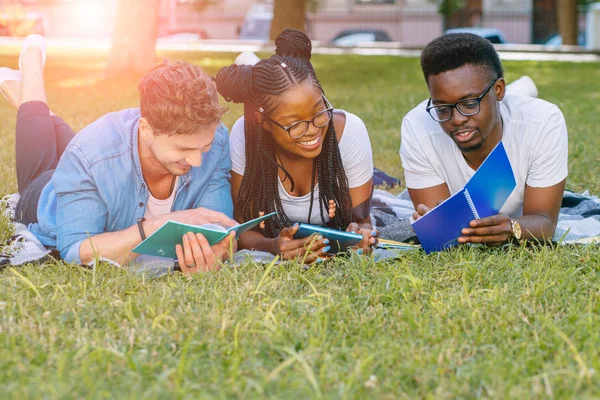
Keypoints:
(262, 223)
(331, 209)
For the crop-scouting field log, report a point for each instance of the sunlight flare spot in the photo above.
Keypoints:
(77, 82)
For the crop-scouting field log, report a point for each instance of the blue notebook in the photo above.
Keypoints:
(483, 196)
(339, 241)
(162, 242)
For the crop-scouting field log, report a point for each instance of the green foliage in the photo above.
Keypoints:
(469, 323)
(449, 7)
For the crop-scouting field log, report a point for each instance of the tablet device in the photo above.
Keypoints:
(338, 240)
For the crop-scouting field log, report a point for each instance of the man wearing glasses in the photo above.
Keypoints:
(447, 138)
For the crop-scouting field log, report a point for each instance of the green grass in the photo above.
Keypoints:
(468, 323)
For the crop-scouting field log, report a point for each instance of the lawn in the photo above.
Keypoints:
(468, 323)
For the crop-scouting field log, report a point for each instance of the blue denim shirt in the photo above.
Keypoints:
(98, 184)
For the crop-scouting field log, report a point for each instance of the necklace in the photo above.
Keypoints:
(285, 175)
(170, 188)
(172, 185)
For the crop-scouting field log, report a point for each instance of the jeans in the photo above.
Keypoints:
(40, 141)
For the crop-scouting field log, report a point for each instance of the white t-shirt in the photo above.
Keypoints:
(158, 207)
(357, 158)
(534, 136)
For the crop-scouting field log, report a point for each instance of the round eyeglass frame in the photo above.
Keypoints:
(288, 128)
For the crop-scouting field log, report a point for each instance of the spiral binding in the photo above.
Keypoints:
(471, 204)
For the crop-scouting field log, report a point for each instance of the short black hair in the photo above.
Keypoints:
(452, 51)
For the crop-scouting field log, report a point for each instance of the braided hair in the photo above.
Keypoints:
(258, 87)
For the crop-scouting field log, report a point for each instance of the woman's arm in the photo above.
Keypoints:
(361, 204)
(361, 215)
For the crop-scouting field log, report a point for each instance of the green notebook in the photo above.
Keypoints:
(162, 242)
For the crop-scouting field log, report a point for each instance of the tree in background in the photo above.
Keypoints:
(288, 14)
(136, 29)
(567, 13)
(134, 37)
(460, 13)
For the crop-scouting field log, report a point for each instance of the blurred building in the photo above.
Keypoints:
(411, 22)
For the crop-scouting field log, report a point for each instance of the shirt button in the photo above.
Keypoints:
(141, 204)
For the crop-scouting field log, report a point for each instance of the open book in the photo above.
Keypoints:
(163, 241)
(395, 245)
(483, 196)
(339, 241)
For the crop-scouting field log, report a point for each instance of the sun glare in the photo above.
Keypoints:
(92, 17)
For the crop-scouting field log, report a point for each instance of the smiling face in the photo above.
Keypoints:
(300, 103)
(177, 153)
(476, 133)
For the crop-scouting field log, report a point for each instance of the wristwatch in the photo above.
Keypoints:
(515, 229)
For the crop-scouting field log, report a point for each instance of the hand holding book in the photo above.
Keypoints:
(310, 248)
(480, 199)
(369, 238)
(338, 241)
(420, 210)
(195, 254)
(163, 241)
(492, 231)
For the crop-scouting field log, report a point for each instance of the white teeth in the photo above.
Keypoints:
(314, 141)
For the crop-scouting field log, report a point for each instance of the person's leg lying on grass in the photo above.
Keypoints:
(36, 133)
(37, 136)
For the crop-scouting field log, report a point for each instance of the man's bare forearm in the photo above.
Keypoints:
(537, 227)
(116, 246)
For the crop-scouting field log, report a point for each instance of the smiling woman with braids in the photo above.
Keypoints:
(293, 153)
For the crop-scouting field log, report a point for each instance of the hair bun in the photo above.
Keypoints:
(234, 83)
(294, 43)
